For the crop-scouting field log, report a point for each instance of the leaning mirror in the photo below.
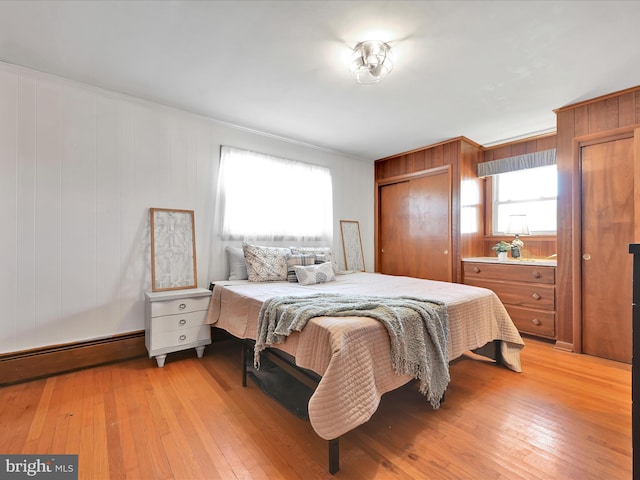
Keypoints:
(173, 249)
(352, 245)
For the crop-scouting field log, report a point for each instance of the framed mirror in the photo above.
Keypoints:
(173, 249)
(352, 245)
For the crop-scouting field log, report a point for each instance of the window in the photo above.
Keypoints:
(533, 192)
(261, 197)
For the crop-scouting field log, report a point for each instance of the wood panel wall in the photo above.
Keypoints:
(414, 161)
(602, 116)
(520, 147)
(462, 155)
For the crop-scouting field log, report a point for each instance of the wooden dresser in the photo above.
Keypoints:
(527, 290)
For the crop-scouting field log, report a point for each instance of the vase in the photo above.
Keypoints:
(502, 256)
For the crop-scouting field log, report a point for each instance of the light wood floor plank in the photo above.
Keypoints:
(566, 416)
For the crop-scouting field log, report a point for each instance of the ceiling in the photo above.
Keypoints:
(492, 71)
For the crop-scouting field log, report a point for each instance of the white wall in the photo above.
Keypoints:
(79, 169)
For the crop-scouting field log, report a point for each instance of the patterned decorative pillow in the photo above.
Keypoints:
(313, 274)
(323, 254)
(293, 260)
(265, 264)
(237, 264)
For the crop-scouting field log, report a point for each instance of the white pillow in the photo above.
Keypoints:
(265, 264)
(237, 264)
(321, 273)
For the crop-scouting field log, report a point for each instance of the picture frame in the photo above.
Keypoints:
(173, 249)
(352, 245)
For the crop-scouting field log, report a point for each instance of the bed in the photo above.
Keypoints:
(351, 355)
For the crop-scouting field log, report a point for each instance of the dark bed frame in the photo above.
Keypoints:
(286, 362)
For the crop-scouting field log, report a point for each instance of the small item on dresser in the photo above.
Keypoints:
(516, 245)
(518, 225)
(502, 248)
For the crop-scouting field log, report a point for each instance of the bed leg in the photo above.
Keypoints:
(498, 344)
(334, 455)
(244, 364)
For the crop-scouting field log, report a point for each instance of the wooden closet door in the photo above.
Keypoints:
(415, 227)
(607, 229)
(431, 227)
(395, 212)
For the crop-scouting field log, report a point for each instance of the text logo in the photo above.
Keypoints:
(50, 467)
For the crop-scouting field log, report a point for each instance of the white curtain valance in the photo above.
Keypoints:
(519, 162)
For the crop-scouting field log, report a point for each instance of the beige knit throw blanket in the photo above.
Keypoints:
(418, 330)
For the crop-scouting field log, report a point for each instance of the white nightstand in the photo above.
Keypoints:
(175, 320)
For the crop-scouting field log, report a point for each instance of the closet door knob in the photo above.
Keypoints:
(586, 256)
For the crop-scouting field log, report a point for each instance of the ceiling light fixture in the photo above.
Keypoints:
(371, 61)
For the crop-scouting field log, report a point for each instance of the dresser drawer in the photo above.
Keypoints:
(520, 294)
(181, 305)
(536, 322)
(170, 323)
(510, 272)
(175, 338)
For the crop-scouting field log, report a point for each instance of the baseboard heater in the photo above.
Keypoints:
(27, 365)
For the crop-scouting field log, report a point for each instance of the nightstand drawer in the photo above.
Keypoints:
(162, 339)
(510, 272)
(171, 323)
(536, 322)
(181, 305)
(520, 294)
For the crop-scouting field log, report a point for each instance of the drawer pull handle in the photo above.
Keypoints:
(536, 274)
(476, 269)
(182, 321)
(182, 306)
(536, 296)
(535, 321)
(182, 338)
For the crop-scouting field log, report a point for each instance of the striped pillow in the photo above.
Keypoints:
(323, 254)
(298, 260)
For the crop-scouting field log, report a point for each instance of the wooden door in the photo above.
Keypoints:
(415, 227)
(607, 229)
(431, 227)
(394, 224)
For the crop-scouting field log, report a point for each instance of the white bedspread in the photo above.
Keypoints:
(352, 354)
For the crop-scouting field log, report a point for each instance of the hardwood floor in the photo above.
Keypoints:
(566, 416)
